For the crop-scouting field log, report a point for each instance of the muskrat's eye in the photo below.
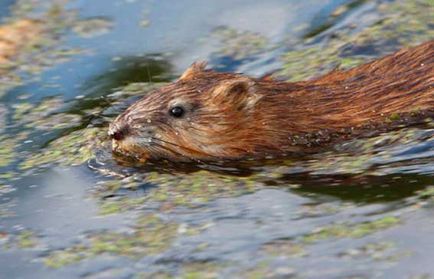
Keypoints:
(177, 111)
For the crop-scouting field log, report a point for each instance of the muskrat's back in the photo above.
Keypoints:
(206, 115)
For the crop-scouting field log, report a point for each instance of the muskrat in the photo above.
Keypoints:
(211, 116)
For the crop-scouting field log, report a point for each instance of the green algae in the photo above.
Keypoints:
(151, 235)
(43, 51)
(153, 275)
(199, 270)
(38, 115)
(393, 117)
(305, 63)
(72, 255)
(378, 251)
(134, 89)
(92, 27)
(361, 155)
(426, 196)
(401, 23)
(427, 193)
(191, 190)
(122, 204)
(5, 188)
(56, 121)
(7, 151)
(26, 239)
(3, 113)
(197, 188)
(239, 44)
(350, 230)
(263, 270)
(284, 247)
(375, 250)
(72, 149)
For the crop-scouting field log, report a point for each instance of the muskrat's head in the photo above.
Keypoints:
(204, 115)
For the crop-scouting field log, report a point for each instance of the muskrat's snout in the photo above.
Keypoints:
(118, 131)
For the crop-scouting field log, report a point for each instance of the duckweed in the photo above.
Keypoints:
(72, 149)
(151, 235)
(284, 247)
(42, 117)
(92, 27)
(239, 44)
(199, 270)
(42, 50)
(197, 188)
(122, 204)
(350, 230)
(7, 150)
(403, 22)
(26, 239)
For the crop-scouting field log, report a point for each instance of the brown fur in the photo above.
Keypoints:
(231, 116)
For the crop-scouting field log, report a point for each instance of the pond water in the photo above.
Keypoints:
(68, 209)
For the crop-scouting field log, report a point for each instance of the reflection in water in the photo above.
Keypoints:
(126, 70)
(152, 69)
(362, 189)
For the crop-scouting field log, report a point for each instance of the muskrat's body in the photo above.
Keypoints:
(207, 115)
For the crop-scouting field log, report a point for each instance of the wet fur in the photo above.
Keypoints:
(232, 116)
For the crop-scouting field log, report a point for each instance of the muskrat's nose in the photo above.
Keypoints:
(117, 132)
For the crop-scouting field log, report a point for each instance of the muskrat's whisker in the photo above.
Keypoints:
(156, 148)
(173, 151)
(182, 147)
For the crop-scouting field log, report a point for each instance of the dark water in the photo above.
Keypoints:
(68, 210)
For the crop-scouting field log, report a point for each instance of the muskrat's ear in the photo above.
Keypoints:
(193, 70)
(240, 91)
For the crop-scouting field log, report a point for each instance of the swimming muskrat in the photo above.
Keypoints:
(209, 116)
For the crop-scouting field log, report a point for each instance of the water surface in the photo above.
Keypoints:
(67, 209)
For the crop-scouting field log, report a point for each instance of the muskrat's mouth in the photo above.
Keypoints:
(145, 149)
(131, 149)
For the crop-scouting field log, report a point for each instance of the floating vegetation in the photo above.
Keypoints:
(45, 115)
(151, 235)
(402, 23)
(367, 155)
(264, 270)
(26, 112)
(26, 239)
(427, 195)
(69, 150)
(16, 36)
(7, 154)
(239, 44)
(172, 190)
(92, 27)
(38, 36)
(375, 251)
(199, 270)
(197, 188)
(284, 247)
(350, 230)
(4, 189)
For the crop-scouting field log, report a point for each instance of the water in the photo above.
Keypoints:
(67, 209)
